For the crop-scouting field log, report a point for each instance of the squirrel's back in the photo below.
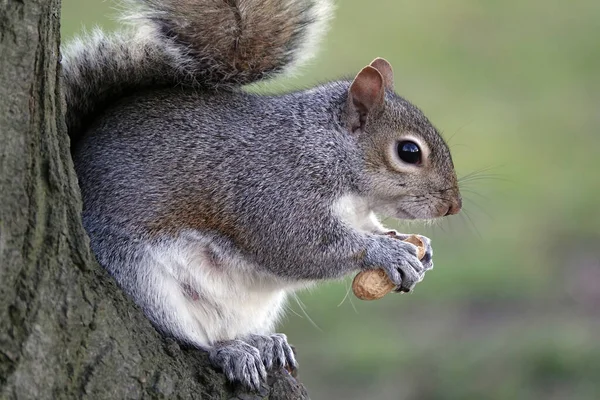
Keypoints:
(201, 44)
(151, 150)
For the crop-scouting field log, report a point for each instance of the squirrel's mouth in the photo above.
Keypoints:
(415, 211)
(453, 208)
(401, 213)
(445, 209)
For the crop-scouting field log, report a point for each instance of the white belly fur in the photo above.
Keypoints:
(232, 301)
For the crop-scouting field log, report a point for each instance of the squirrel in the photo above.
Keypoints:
(209, 205)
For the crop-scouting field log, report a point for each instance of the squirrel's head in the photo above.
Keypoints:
(409, 172)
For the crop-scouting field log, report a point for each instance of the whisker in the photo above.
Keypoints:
(457, 131)
(289, 308)
(351, 302)
(300, 304)
(455, 145)
(480, 208)
(480, 170)
(476, 193)
(463, 220)
(439, 223)
(466, 214)
(346, 295)
(490, 177)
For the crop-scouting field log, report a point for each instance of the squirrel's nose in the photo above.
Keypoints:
(454, 207)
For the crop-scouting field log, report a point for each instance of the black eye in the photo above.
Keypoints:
(409, 152)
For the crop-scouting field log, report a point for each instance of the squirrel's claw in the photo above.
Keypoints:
(275, 350)
(240, 362)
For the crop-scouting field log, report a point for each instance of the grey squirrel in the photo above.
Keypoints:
(209, 205)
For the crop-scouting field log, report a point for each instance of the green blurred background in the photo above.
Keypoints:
(512, 308)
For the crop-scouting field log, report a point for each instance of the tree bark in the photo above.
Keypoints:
(66, 329)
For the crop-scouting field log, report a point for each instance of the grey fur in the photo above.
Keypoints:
(240, 362)
(281, 162)
(166, 161)
(274, 350)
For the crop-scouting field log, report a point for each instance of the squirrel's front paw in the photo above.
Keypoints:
(427, 259)
(240, 362)
(398, 259)
(275, 350)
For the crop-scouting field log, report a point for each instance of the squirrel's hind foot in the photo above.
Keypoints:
(240, 362)
(274, 350)
(249, 360)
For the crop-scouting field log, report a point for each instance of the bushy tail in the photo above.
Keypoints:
(208, 44)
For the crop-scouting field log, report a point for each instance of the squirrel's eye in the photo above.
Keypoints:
(409, 152)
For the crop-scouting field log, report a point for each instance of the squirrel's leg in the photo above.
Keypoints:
(350, 249)
(274, 349)
(239, 362)
(168, 306)
(153, 289)
(165, 302)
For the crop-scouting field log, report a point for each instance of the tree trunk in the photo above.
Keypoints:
(66, 330)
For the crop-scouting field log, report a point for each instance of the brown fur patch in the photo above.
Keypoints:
(199, 212)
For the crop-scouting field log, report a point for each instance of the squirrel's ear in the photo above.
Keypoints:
(385, 69)
(365, 95)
